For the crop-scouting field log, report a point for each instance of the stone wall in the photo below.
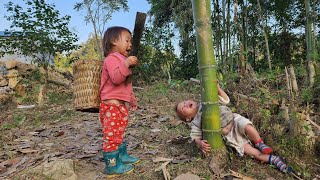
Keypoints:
(11, 73)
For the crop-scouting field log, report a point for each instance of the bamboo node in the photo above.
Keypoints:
(213, 131)
(203, 23)
(208, 66)
(210, 103)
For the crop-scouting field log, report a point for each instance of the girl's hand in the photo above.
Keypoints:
(133, 104)
(133, 107)
(131, 61)
(203, 145)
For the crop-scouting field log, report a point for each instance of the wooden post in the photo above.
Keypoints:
(137, 32)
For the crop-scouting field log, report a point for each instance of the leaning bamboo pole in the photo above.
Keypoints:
(207, 68)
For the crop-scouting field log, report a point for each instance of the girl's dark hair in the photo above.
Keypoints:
(111, 34)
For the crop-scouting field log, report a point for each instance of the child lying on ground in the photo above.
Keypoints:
(237, 131)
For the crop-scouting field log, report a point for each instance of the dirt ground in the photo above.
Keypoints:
(35, 137)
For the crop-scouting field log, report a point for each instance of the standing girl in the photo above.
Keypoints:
(115, 91)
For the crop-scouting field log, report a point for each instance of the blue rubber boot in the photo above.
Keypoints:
(114, 167)
(125, 157)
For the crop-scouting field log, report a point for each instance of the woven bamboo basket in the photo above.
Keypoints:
(86, 85)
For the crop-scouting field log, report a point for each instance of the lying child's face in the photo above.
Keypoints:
(187, 110)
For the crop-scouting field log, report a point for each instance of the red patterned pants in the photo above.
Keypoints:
(114, 120)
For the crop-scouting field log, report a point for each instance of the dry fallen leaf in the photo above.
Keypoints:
(214, 166)
(175, 122)
(182, 159)
(153, 152)
(155, 130)
(240, 176)
(133, 145)
(12, 165)
(163, 118)
(165, 172)
(155, 125)
(26, 151)
(80, 156)
(33, 133)
(60, 133)
(7, 164)
(187, 176)
(58, 169)
(179, 140)
(24, 145)
(161, 159)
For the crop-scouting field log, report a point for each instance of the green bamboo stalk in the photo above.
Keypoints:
(207, 68)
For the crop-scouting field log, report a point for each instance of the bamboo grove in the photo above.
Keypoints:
(262, 35)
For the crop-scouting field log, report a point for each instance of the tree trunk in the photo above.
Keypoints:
(293, 79)
(288, 83)
(228, 36)
(313, 34)
(312, 73)
(207, 68)
(42, 90)
(254, 45)
(284, 111)
(264, 34)
(224, 36)
(314, 20)
(242, 61)
(308, 29)
(218, 37)
(244, 30)
(242, 57)
(309, 42)
(41, 95)
(294, 124)
(235, 21)
(94, 28)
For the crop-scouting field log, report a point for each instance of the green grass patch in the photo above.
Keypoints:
(58, 98)
(18, 120)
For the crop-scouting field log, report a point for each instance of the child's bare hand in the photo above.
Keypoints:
(131, 61)
(203, 145)
(133, 107)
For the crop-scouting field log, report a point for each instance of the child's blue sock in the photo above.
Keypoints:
(278, 161)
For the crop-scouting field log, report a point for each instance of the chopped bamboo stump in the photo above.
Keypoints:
(86, 85)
